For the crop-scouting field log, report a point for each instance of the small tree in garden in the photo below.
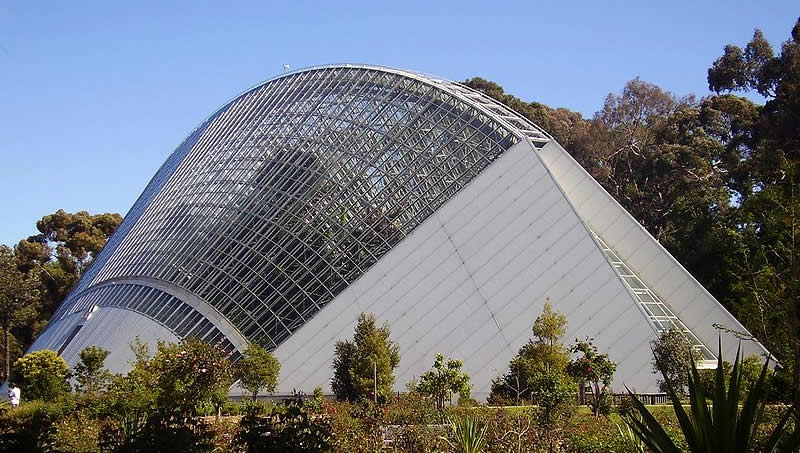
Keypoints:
(593, 368)
(444, 380)
(41, 375)
(548, 329)
(365, 363)
(132, 401)
(544, 355)
(258, 370)
(513, 386)
(554, 394)
(672, 354)
(90, 375)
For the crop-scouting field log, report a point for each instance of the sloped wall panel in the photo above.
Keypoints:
(470, 281)
(655, 266)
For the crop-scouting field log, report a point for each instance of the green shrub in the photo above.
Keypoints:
(77, 433)
(411, 409)
(32, 427)
(316, 403)
(189, 374)
(233, 408)
(90, 375)
(357, 427)
(256, 407)
(357, 363)
(285, 429)
(419, 439)
(159, 433)
(41, 375)
(443, 380)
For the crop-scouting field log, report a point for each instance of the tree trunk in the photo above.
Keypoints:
(796, 356)
(7, 353)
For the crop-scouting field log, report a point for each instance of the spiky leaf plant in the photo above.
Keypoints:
(722, 427)
(469, 436)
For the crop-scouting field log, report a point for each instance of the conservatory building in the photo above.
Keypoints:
(336, 190)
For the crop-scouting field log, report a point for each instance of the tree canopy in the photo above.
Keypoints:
(19, 303)
(366, 362)
(537, 372)
(257, 370)
(714, 180)
(41, 375)
(90, 375)
(443, 380)
(41, 270)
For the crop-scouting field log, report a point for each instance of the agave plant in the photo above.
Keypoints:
(630, 439)
(469, 436)
(723, 427)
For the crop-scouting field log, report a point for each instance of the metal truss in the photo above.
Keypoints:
(292, 191)
(660, 315)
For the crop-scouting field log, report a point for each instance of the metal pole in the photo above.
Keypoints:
(375, 377)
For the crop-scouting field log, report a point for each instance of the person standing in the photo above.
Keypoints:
(14, 394)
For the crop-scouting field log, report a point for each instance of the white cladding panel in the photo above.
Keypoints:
(470, 281)
(127, 326)
(644, 255)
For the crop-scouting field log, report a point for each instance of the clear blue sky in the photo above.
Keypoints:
(94, 96)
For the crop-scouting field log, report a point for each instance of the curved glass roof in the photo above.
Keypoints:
(289, 193)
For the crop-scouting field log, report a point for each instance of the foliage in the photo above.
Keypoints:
(766, 259)
(257, 370)
(593, 368)
(166, 433)
(418, 439)
(444, 380)
(131, 400)
(19, 301)
(630, 439)
(152, 404)
(554, 393)
(341, 383)
(64, 247)
(467, 435)
(89, 373)
(316, 404)
(724, 426)
(544, 355)
(750, 372)
(190, 373)
(77, 433)
(33, 426)
(672, 353)
(356, 364)
(41, 375)
(411, 408)
(286, 429)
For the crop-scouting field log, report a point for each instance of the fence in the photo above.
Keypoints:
(646, 398)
